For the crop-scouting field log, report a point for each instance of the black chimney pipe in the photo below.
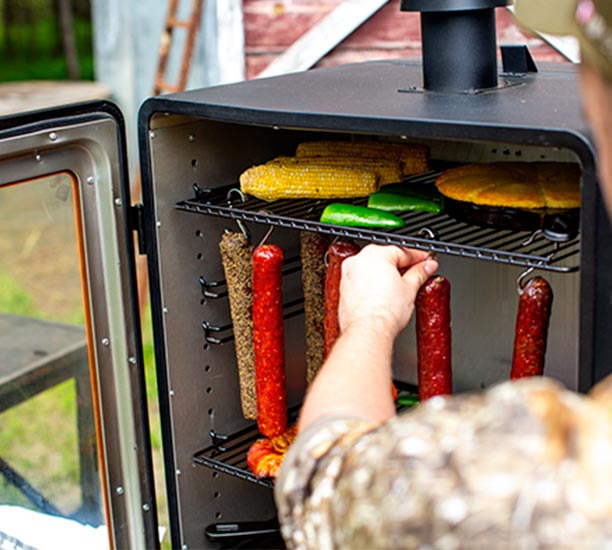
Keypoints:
(459, 43)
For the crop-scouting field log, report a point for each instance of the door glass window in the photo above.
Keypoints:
(48, 454)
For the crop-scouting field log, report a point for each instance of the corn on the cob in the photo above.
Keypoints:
(414, 158)
(307, 181)
(387, 171)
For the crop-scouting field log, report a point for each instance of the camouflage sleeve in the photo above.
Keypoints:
(308, 477)
(525, 464)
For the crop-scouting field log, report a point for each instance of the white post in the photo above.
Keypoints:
(127, 37)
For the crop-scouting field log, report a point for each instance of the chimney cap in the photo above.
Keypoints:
(450, 5)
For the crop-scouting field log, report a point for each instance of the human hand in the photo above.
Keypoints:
(379, 286)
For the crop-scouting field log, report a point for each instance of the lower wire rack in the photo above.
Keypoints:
(228, 453)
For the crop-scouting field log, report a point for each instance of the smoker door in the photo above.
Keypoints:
(65, 206)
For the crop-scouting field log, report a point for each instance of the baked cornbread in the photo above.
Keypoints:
(524, 185)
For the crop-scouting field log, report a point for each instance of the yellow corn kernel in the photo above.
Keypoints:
(414, 157)
(387, 171)
(307, 181)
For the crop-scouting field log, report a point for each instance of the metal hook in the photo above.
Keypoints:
(198, 191)
(238, 192)
(531, 237)
(520, 281)
(550, 257)
(551, 234)
(206, 285)
(241, 226)
(266, 236)
(269, 231)
(326, 255)
(430, 234)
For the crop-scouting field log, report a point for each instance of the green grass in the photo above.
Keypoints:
(39, 440)
(13, 298)
(37, 53)
(39, 437)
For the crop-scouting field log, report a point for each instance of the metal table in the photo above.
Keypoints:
(36, 355)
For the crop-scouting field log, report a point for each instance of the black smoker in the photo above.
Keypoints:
(194, 146)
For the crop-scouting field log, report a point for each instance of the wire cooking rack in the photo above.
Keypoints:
(426, 231)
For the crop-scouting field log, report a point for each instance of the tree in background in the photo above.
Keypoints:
(64, 7)
(33, 31)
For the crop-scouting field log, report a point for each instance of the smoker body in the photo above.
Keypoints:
(207, 138)
(193, 147)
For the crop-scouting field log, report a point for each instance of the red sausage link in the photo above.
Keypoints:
(531, 332)
(433, 329)
(268, 340)
(336, 254)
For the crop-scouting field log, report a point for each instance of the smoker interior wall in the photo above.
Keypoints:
(202, 379)
(484, 302)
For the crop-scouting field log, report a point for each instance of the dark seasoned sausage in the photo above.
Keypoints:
(268, 340)
(433, 329)
(531, 332)
(236, 254)
(336, 254)
(313, 248)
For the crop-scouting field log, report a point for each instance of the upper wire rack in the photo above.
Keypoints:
(432, 232)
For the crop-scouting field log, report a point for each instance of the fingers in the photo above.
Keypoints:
(414, 266)
(397, 256)
(382, 282)
(419, 273)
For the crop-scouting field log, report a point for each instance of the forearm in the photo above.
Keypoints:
(356, 378)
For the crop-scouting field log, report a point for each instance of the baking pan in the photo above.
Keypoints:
(558, 225)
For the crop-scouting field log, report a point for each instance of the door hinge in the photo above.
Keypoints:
(136, 220)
